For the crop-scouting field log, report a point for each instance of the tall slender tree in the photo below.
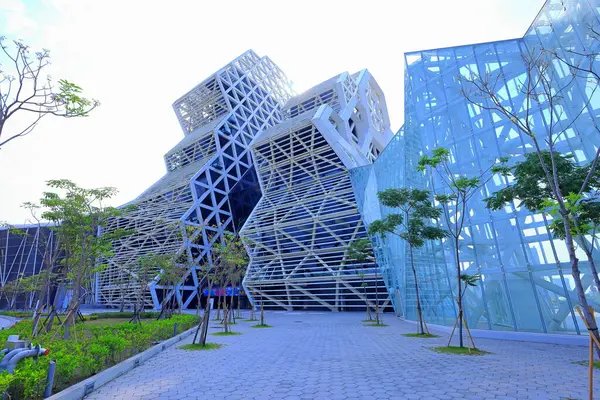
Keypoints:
(360, 251)
(454, 192)
(415, 224)
(545, 90)
(78, 215)
(227, 254)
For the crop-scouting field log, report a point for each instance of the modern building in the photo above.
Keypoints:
(300, 230)
(209, 184)
(26, 250)
(526, 282)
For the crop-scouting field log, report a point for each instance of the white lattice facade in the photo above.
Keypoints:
(299, 232)
(219, 118)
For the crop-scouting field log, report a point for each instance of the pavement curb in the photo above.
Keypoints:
(87, 386)
(533, 337)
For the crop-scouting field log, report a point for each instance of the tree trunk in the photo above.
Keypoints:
(72, 308)
(459, 300)
(419, 310)
(593, 328)
(377, 320)
(231, 305)
(589, 255)
(38, 311)
(219, 305)
(205, 323)
(226, 319)
(262, 312)
(369, 316)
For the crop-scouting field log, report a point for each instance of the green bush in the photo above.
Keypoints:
(91, 349)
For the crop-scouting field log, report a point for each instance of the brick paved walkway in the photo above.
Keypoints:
(333, 356)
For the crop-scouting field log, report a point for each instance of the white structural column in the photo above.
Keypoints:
(299, 232)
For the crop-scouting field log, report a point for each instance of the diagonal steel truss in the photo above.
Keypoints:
(299, 232)
(219, 117)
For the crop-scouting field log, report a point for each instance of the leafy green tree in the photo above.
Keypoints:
(226, 255)
(454, 198)
(529, 188)
(233, 261)
(49, 254)
(542, 87)
(414, 225)
(361, 252)
(147, 267)
(170, 274)
(26, 90)
(79, 214)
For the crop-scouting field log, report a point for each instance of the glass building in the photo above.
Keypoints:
(526, 282)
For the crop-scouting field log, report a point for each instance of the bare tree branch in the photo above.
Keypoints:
(26, 91)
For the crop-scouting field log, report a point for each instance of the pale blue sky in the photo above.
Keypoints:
(137, 57)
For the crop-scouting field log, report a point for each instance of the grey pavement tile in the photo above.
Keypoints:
(333, 356)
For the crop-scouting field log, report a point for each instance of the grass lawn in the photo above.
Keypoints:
(586, 363)
(459, 350)
(420, 335)
(226, 333)
(248, 320)
(198, 346)
(261, 326)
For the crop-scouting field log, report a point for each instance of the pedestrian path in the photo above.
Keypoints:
(334, 356)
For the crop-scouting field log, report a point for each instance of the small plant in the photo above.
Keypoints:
(226, 333)
(198, 346)
(586, 363)
(379, 325)
(466, 351)
(420, 335)
(261, 326)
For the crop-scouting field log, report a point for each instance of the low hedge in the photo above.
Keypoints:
(91, 349)
(148, 314)
(18, 314)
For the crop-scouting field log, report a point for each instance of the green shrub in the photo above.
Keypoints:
(92, 348)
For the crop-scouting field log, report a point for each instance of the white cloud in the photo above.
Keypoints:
(14, 19)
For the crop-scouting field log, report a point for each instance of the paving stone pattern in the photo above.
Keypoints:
(333, 356)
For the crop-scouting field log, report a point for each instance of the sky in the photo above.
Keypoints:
(138, 56)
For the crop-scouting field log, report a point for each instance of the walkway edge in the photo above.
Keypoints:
(519, 336)
(87, 386)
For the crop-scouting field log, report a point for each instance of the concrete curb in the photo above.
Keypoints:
(12, 321)
(549, 338)
(87, 386)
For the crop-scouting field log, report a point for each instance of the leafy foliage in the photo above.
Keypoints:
(417, 208)
(97, 348)
(470, 280)
(531, 190)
